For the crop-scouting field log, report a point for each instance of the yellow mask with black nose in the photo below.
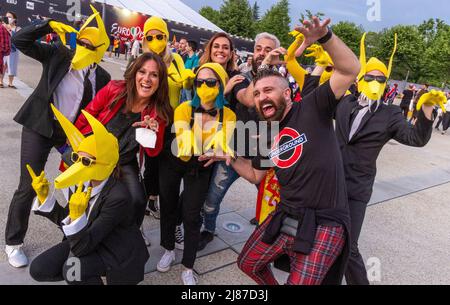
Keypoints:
(102, 145)
(373, 89)
(86, 56)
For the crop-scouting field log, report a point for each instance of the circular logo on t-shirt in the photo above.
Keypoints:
(287, 148)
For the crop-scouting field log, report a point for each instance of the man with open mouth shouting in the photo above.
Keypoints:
(311, 223)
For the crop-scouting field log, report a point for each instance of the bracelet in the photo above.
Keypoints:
(325, 38)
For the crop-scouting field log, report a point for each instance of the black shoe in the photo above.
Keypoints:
(205, 238)
(254, 222)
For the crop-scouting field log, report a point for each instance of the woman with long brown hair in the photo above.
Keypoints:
(141, 100)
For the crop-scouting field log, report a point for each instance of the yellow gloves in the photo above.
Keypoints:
(61, 29)
(293, 67)
(78, 202)
(186, 79)
(433, 98)
(321, 56)
(40, 185)
(186, 143)
(219, 142)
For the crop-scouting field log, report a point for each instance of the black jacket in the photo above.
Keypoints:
(376, 129)
(56, 59)
(111, 232)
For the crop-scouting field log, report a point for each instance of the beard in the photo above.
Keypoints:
(271, 111)
(256, 62)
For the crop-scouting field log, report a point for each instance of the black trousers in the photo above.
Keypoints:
(195, 181)
(445, 121)
(130, 177)
(34, 151)
(356, 273)
(151, 176)
(439, 122)
(56, 264)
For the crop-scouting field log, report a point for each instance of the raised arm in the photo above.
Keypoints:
(346, 64)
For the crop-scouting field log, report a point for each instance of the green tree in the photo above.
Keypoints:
(210, 14)
(350, 33)
(307, 15)
(236, 17)
(277, 22)
(255, 11)
(409, 55)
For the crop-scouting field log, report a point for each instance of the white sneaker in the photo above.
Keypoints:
(16, 256)
(189, 277)
(166, 261)
(179, 238)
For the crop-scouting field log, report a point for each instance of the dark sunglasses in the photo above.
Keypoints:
(86, 161)
(87, 45)
(157, 36)
(329, 69)
(370, 78)
(210, 82)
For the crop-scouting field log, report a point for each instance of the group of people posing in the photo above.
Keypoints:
(109, 131)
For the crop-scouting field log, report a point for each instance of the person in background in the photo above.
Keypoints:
(190, 62)
(183, 48)
(416, 99)
(446, 117)
(117, 46)
(5, 48)
(247, 66)
(391, 95)
(406, 100)
(12, 60)
(127, 46)
(192, 59)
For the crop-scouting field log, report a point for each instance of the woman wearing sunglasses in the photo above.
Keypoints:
(200, 125)
(141, 100)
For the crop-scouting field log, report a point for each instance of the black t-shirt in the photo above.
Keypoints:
(407, 97)
(307, 159)
(120, 127)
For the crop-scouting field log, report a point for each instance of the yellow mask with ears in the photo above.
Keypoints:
(373, 89)
(155, 46)
(101, 144)
(84, 57)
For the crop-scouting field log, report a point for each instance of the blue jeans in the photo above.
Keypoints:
(222, 178)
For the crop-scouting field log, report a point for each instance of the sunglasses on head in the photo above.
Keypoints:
(86, 161)
(157, 36)
(87, 45)
(329, 69)
(210, 82)
(369, 78)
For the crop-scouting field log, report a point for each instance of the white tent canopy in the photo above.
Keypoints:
(173, 10)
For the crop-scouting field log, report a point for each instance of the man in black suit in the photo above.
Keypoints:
(69, 80)
(363, 126)
(101, 235)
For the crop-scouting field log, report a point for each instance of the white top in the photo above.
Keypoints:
(135, 48)
(69, 93)
(447, 106)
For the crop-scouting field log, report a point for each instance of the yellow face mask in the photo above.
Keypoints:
(86, 55)
(370, 87)
(206, 94)
(157, 46)
(101, 144)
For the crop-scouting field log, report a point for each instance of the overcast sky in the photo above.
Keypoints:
(391, 12)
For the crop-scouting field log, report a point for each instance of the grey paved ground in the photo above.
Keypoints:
(407, 227)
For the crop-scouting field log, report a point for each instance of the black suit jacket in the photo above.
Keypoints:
(36, 113)
(361, 152)
(111, 232)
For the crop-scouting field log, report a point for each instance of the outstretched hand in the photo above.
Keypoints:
(313, 30)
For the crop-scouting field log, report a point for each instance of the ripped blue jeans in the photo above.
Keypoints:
(222, 178)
